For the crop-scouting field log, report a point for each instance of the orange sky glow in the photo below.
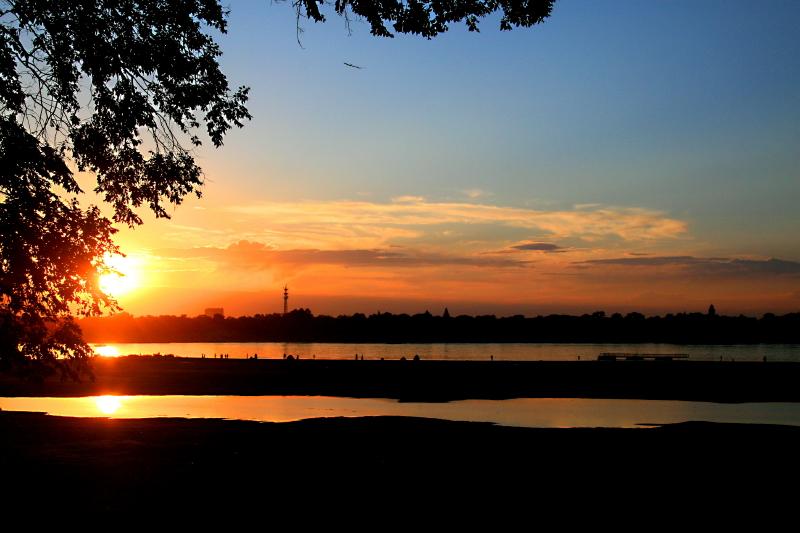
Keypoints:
(621, 169)
(410, 254)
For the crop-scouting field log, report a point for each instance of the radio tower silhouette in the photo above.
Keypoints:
(285, 299)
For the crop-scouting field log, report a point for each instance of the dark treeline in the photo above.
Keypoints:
(301, 325)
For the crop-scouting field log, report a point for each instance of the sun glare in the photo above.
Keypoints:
(106, 351)
(124, 279)
(108, 404)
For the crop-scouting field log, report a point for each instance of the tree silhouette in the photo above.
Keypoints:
(429, 18)
(118, 89)
(122, 90)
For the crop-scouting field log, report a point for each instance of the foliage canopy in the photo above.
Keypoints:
(429, 18)
(107, 87)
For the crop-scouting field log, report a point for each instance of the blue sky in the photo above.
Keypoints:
(691, 107)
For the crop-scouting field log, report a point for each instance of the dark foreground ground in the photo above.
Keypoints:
(88, 467)
(429, 380)
(376, 473)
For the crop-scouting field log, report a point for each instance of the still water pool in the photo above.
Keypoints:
(524, 412)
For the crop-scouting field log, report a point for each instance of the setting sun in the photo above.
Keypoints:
(124, 277)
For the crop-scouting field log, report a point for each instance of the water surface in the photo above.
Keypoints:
(523, 412)
(452, 351)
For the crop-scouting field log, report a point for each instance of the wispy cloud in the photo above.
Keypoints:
(475, 193)
(258, 256)
(719, 267)
(408, 199)
(547, 247)
(417, 215)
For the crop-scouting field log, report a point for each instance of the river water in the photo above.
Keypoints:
(452, 351)
(523, 412)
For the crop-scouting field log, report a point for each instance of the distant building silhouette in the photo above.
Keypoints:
(712, 311)
(285, 299)
(213, 311)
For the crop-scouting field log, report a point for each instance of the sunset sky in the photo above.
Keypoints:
(621, 156)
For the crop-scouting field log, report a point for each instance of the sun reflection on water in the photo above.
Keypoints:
(526, 412)
(108, 404)
(107, 351)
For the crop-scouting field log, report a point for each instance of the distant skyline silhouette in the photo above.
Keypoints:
(302, 325)
(240, 303)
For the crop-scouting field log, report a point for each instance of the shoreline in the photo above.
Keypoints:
(427, 380)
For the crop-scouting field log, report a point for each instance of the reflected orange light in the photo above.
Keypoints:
(108, 404)
(106, 351)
